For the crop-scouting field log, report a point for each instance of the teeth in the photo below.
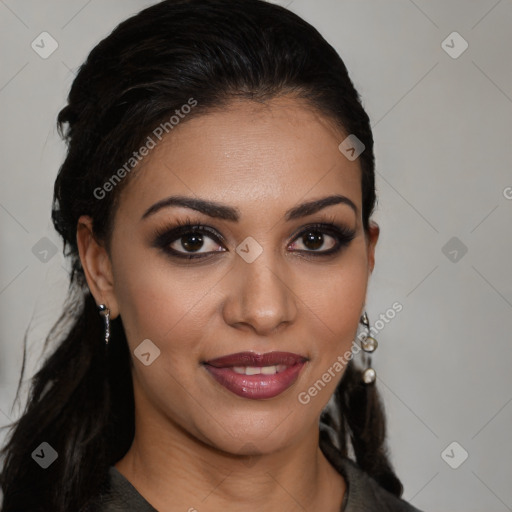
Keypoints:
(252, 370)
(256, 370)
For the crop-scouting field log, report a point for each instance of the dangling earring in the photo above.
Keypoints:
(369, 345)
(105, 313)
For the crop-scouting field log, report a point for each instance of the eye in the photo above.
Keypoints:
(195, 242)
(322, 239)
(315, 240)
(188, 240)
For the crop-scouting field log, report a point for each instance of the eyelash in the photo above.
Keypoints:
(165, 236)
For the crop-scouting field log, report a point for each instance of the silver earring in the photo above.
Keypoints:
(105, 313)
(369, 345)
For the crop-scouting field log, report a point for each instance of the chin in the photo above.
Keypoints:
(255, 434)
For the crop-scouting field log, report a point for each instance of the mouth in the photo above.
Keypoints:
(256, 376)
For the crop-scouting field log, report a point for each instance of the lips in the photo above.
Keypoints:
(256, 376)
(253, 359)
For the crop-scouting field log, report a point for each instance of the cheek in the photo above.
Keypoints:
(335, 299)
(334, 312)
(163, 305)
(156, 302)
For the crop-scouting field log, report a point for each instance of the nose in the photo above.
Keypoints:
(260, 296)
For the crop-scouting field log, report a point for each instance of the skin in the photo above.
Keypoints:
(197, 445)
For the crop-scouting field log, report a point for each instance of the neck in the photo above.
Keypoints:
(179, 472)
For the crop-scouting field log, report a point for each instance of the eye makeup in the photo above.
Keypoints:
(189, 230)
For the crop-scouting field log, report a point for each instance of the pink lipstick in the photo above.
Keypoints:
(256, 376)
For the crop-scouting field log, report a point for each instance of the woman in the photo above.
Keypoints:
(216, 204)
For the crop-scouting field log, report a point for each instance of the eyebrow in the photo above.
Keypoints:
(220, 211)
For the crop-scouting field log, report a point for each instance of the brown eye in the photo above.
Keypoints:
(314, 240)
(189, 241)
(322, 239)
(194, 242)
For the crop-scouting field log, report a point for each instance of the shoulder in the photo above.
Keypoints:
(119, 495)
(366, 495)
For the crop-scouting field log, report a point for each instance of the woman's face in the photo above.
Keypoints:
(259, 281)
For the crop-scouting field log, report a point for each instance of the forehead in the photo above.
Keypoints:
(257, 156)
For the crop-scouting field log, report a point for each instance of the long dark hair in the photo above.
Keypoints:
(81, 400)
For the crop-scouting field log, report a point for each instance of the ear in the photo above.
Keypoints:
(97, 266)
(372, 237)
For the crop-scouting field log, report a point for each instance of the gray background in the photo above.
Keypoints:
(443, 129)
